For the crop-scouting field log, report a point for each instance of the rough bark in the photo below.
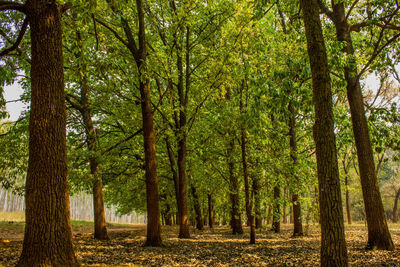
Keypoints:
(48, 235)
(197, 209)
(333, 244)
(297, 222)
(210, 211)
(378, 232)
(396, 200)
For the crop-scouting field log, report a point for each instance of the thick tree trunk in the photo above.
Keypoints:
(396, 200)
(197, 209)
(48, 235)
(297, 222)
(378, 231)
(333, 244)
(210, 211)
(276, 218)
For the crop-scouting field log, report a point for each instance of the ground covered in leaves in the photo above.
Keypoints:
(211, 247)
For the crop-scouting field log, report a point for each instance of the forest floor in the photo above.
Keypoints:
(210, 247)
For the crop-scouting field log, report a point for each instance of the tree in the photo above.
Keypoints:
(48, 234)
(333, 244)
(82, 104)
(139, 53)
(378, 231)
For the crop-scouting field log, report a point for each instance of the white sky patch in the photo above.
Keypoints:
(12, 93)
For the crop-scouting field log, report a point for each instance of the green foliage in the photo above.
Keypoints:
(247, 62)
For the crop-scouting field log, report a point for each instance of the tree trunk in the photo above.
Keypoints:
(236, 221)
(347, 192)
(257, 202)
(269, 212)
(181, 134)
(396, 199)
(210, 211)
(291, 213)
(48, 235)
(153, 237)
(276, 218)
(378, 232)
(139, 54)
(333, 243)
(284, 215)
(100, 227)
(197, 209)
(175, 177)
(246, 177)
(153, 208)
(167, 213)
(297, 222)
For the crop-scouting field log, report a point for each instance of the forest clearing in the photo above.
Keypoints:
(234, 132)
(209, 247)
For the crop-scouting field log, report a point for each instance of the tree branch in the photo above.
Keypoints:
(122, 141)
(131, 45)
(21, 34)
(326, 10)
(376, 53)
(73, 103)
(351, 8)
(113, 32)
(357, 27)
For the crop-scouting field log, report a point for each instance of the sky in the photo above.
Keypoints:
(14, 92)
(11, 93)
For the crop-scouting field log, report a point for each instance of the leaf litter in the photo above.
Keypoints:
(210, 247)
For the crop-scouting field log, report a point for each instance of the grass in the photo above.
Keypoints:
(14, 223)
(12, 216)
